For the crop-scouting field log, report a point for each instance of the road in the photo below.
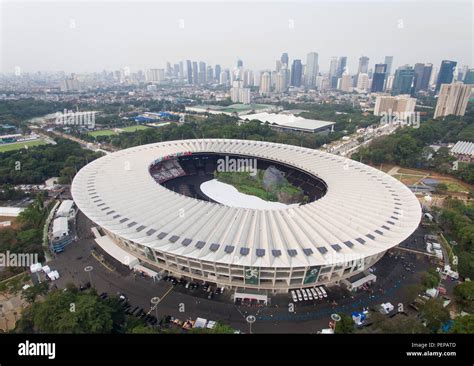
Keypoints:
(179, 302)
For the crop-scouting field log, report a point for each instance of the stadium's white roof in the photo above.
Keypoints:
(364, 212)
(289, 121)
(463, 147)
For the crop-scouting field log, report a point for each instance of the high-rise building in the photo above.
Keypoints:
(224, 78)
(209, 74)
(296, 73)
(363, 65)
(403, 80)
(333, 72)
(341, 66)
(278, 65)
(446, 73)
(202, 73)
(403, 105)
(181, 71)
(189, 72)
(217, 71)
(195, 73)
(281, 83)
(452, 99)
(240, 63)
(244, 95)
(362, 83)
(378, 78)
(312, 69)
(155, 75)
(284, 59)
(346, 82)
(422, 76)
(265, 83)
(469, 78)
(389, 62)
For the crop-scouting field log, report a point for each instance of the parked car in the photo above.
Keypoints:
(298, 293)
(315, 294)
(305, 296)
(310, 295)
(293, 296)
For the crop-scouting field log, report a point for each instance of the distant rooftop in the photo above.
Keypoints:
(463, 147)
(290, 121)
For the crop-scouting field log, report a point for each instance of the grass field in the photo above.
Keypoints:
(112, 132)
(407, 179)
(21, 145)
(454, 186)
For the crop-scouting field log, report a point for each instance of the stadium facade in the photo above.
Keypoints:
(355, 215)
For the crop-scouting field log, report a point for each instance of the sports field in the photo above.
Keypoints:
(113, 132)
(21, 145)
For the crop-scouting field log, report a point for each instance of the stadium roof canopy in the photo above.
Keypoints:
(364, 212)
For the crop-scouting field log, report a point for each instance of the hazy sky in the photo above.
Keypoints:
(92, 36)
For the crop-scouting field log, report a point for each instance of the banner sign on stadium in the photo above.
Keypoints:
(252, 276)
(311, 274)
(167, 157)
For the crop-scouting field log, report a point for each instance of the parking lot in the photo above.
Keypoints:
(188, 300)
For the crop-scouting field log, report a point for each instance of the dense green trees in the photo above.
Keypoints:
(457, 218)
(434, 314)
(409, 146)
(28, 237)
(34, 166)
(464, 296)
(68, 312)
(463, 325)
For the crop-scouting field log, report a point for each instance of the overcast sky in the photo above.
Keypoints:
(85, 36)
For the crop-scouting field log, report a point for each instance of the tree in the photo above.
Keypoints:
(345, 325)
(400, 324)
(463, 325)
(68, 312)
(435, 314)
(464, 296)
(441, 188)
(32, 292)
(430, 279)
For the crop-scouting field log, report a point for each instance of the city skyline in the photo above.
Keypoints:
(71, 37)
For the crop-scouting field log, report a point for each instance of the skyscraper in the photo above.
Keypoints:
(378, 78)
(403, 81)
(452, 99)
(189, 71)
(341, 65)
(469, 78)
(346, 82)
(312, 69)
(296, 73)
(202, 73)
(284, 59)
(333, 72)
(265, 83)
(422, 76)
(217, 71)
(388, 61)
(240, 63)
(446, 72)
(363, 65)
(195, 73)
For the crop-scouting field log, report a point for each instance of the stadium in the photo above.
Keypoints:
(147, 201)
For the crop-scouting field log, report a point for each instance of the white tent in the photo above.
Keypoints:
(46, 269)
(200, 323)
(35, 267)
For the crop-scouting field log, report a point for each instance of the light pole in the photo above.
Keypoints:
(88, 270)
(155, 301)
(336, 318)
(250, 320)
